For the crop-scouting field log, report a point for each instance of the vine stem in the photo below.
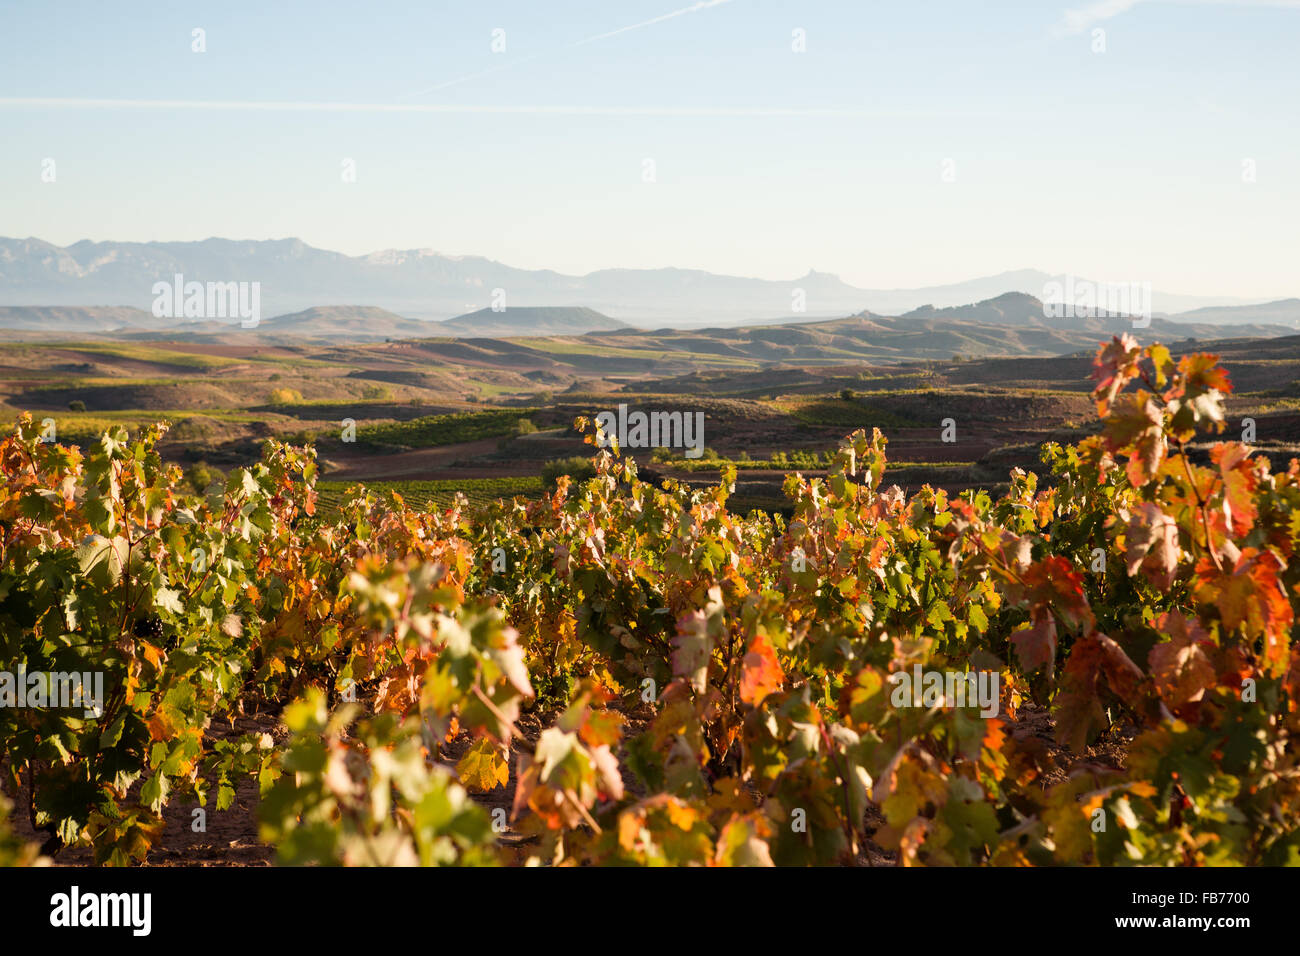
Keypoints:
(1202, 503)
(850, 828)
(231, 509)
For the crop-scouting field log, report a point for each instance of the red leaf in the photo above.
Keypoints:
(1114, 367)
(1077, 709)
(1054, 581)
(1036, 644)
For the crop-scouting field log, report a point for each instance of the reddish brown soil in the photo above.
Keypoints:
(428, 463)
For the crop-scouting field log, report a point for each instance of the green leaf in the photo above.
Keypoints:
(169, 600)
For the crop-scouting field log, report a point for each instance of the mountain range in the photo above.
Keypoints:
(421, 284)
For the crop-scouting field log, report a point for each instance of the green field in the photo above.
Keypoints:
(437, 494)
(432, 431)
(147, 353)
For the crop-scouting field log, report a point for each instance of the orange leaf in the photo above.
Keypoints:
(1180, 667)
(1239, 483)
(761, 674)
(1251, 598)
(154, 655)
(1152, 541)
(160, 728)
(1136, 427)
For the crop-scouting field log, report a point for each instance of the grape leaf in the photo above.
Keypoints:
(482, 767)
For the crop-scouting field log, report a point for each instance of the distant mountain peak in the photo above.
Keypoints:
(1013, 297)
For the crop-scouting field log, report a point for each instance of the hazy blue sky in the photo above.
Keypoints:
(1122, 165)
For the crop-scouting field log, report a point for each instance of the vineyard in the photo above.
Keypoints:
(330, 495)
(655, 679)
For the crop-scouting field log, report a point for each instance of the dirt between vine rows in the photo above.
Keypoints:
(231, 836)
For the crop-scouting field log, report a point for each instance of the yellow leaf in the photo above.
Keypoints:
(682, 815)
(483, 767)
(153, 655)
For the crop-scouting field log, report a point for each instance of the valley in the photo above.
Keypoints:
(441, 414)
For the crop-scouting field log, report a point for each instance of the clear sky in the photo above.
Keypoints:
(1123, 165)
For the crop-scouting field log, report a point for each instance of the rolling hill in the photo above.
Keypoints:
(539, 320)
(584, 341)
(77, 319)
(357, 323)
(1282, 312)
(1017, 310)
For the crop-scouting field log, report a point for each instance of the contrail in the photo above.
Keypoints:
(693, 8)
(288, 106)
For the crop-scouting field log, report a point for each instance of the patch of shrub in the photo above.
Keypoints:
(576, 467)
(201, 476)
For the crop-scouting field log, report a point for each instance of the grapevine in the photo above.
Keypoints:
(660, 680)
